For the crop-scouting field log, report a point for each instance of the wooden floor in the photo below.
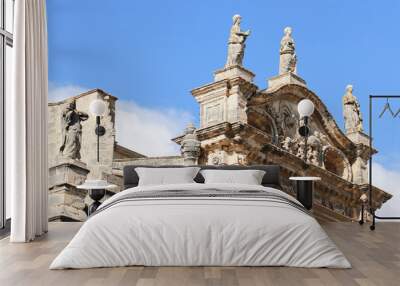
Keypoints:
(375, 257)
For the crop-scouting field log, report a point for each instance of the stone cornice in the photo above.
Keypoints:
(102, 92)
(330, 179)
(230, 129)
(226, 83)
(237, 67)
(127, 152)
(349, 191)
(323, 213)
(222, 128)
(66, 162)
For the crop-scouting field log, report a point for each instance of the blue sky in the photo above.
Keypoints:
(152, 53)
(155, 52)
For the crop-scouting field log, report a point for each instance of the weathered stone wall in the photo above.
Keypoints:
(240, 124)
(225, 99)
(66, 201)
(89, 138)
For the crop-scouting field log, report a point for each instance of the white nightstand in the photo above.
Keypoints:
(97, 190)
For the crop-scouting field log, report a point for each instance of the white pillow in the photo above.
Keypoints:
(166, 176)
(247, 177)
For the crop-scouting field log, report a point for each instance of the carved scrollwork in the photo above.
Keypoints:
(336, 162)
(290, 144)
(286, 119)
(215, 160)
(270, 114)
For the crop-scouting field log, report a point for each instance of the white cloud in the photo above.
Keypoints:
(149, 130)
(389, 181)
(60, 92)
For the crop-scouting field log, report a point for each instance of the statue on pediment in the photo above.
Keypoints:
(351, 112)
(236, 44)
(288, 58)
(72, 131)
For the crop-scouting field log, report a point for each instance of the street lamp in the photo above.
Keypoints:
(98, 108)
(305, 109)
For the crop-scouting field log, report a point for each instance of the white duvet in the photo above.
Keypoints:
(202, 231)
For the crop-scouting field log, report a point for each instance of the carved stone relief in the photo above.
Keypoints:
(214, 113)
(320, 151)
(274, 115)
(223, 158)
(287, 119)
(216, 158)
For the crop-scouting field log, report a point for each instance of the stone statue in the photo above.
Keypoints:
(72, 131)
(314, 155)
(288, 59)
(322, 138)
(236, 44)
(287, 144)
(190, 146)
(351, 112)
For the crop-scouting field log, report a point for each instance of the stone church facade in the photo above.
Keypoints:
(241, 124)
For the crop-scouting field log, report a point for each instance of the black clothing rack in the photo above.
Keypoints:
(372, 210)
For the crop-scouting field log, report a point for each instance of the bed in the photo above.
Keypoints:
(201, 224)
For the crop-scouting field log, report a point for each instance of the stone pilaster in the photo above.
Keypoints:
(360, 164)
(225, 99)
(66, 202)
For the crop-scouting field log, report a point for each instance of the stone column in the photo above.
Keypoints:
(66, 202)
(190, 146)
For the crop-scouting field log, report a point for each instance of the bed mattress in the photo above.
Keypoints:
(201, 225)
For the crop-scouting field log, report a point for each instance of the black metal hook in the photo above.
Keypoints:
(387, 107)
(397, 113)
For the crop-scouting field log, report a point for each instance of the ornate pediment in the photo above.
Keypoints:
(243, 125)
(290, 95)
(276, 113)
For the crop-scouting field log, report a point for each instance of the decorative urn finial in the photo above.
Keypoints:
(190, 146)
